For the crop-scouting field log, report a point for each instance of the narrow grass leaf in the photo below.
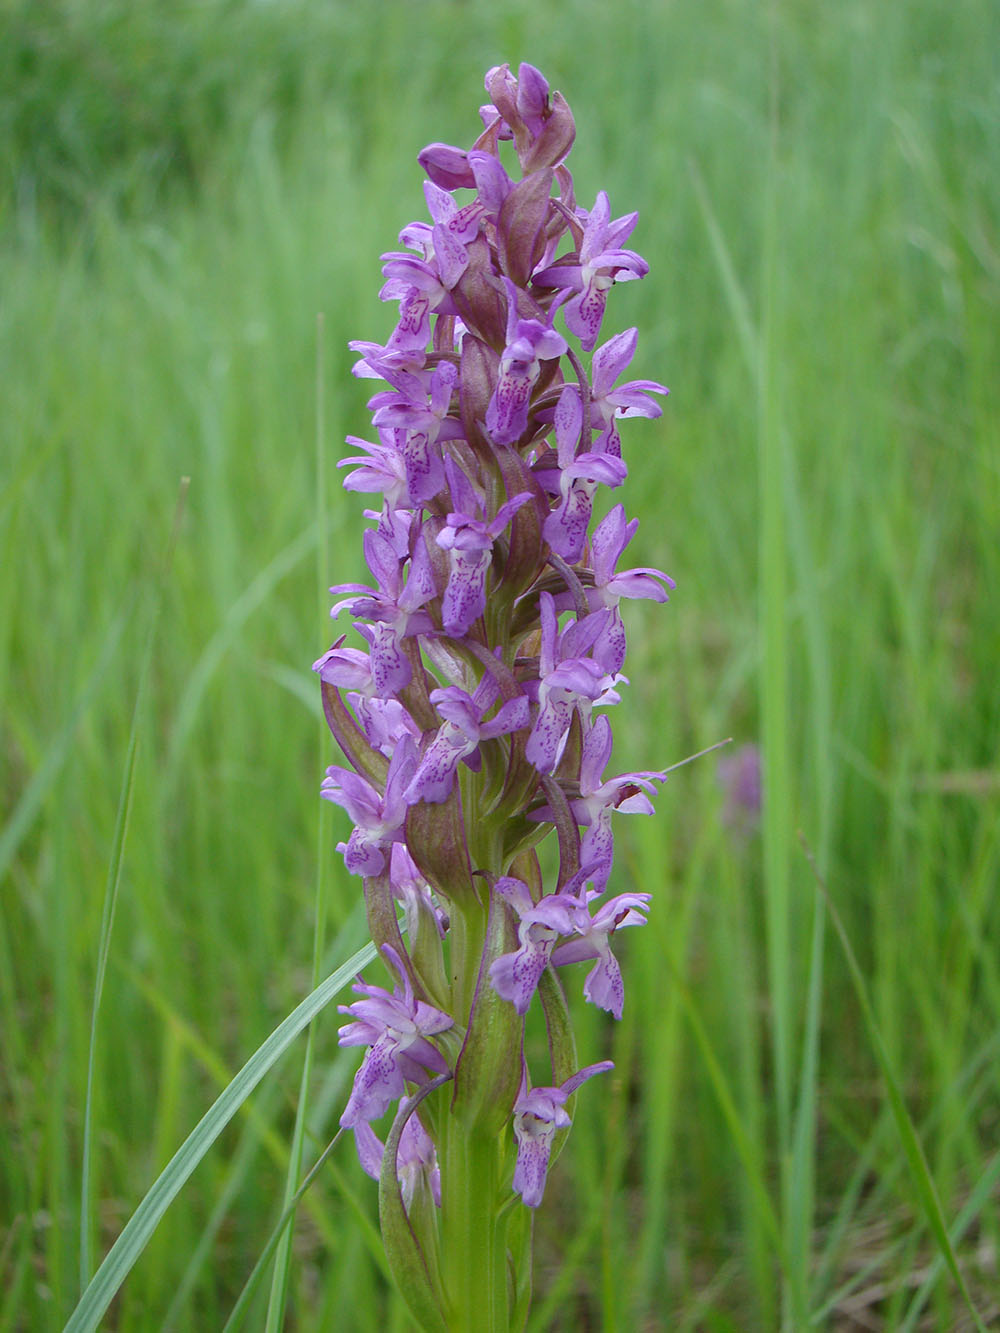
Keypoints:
(144, 1221)
(238, 1311)
(905, 1128)
(283, 1242)
(33, 796)
(981, 1195)
(727, 1105)
(222, 640)
(111, 889)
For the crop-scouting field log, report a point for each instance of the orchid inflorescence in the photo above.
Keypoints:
(492, 632)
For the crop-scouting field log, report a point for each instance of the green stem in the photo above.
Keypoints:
(472, 1236)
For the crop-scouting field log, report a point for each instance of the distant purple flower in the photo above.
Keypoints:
(740, 779)
(538, 1115)
(347, 668)
(395, 1027)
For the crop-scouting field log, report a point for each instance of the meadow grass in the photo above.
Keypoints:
(187, 187)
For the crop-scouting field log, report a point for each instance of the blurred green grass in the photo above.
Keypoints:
(184, 188)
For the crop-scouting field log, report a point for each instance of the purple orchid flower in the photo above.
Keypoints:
(416, 1158)
(394, 609)
(541, 126)
(538, 1115)
(395, 1027)
(515, 976)
(411, 889)
(492, 182)
(386, 363)
(565, 528)
(603, 986)
(421, 284)
(383, 471)
(378, 816)
(607, 403)
(490, 633)
(453, 231)
(447, 166)
(469, 542)
(568, 681)
(598, 800)
(347, 668)
(384, 722)
(461, 734)
(601, 263)
(607, 543)
(529, 342)
(420, 418)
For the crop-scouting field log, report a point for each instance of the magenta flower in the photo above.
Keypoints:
(490, 631)
(603, 986)
(395, 1027)
(529, 342)
(378, 816)
(601, 262)
(460, 735)
(538, 1114)
(568, 682)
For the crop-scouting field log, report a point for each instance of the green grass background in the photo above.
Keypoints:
(185, 187)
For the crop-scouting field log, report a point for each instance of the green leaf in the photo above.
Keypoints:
(144, 1221)
(905, 1128)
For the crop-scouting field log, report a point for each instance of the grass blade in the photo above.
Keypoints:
(293, 1191)
(912, 1149)
(277, 1235)
(137, 1231)
(111, 891)
(727, 1105)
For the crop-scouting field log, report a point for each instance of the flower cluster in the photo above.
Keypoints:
(492, 636)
